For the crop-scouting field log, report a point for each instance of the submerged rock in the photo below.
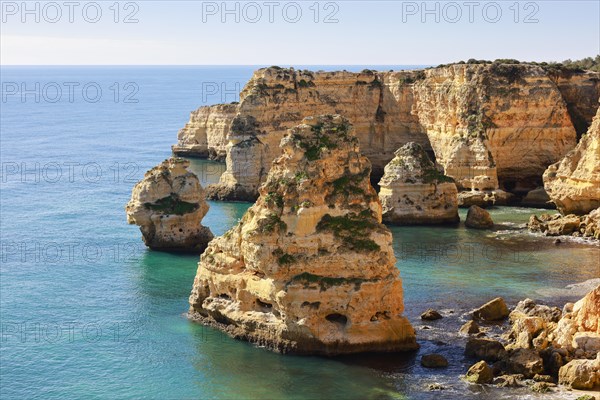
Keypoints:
(573, 183)
(168, 205)
(413, 191)
(431, 315)
(478, 218)
(434, 361)
(310, 268)
(469, 328)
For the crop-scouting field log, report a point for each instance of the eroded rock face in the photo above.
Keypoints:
(378, 104)
(205, 134)
(573, 183)
(168, 205)
(491, 122)
(413, 191)
(310, 268)
(490, 126)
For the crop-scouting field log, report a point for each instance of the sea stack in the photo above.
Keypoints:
(413, 191)
(309, 269)
(168, 205)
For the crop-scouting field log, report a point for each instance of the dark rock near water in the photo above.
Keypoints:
(494, 310)
(478, 218)
(480, 373)
(485, 349)
(469, 328)
(434, 361)
(431, 315)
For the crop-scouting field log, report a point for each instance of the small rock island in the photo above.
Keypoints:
(310, 268)
(413, 191)
(168, 205)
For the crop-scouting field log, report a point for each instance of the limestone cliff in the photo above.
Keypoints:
(205, 135)
(168, 205)
(276, 99)
(490, 122)
(573, 183)
(309, 268)
(491, 126)
(413, 191)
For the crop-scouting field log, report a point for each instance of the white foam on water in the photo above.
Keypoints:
(575, 289)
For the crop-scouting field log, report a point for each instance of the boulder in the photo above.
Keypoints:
(431, 315)
(524, 361)
(485, 349)
(480, 373)
(494, 310)
(469, 328)
(478, 218)
(434, 361)
(580, 374)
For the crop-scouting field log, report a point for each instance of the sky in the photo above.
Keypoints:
(285, 33)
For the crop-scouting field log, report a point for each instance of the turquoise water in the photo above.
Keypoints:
(87, 312)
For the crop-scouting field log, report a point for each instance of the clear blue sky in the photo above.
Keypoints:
(366, 32)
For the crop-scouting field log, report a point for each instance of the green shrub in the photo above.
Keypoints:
(172, 205)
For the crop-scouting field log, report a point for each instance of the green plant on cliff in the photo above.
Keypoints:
(353, 229)
(324, 138)
(275, 199)
(325, 282)
(172, 205)
(270, 223)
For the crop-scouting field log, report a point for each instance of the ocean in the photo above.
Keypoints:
(86, 311)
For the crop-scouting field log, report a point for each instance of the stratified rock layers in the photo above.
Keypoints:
(413, 191)
(309, 268)
(168, 205)
(490, 125)
(573, 183)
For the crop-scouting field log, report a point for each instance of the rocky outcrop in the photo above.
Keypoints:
(491, 126)
(478, 218)
(546, 344)
(587, 226)
(205, 134)
(413, 191)
(309, 268)
(573, 183)
(168, 205)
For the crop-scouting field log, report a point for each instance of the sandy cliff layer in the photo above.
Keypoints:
(489, 125)
(168, 205)
(573, 183)
(309, 268)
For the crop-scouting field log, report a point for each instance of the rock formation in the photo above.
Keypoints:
(478, 218)
(413, 191)
(168, 205)
(490, 126)
(205, 135)
(573, 183)
(547, 345)
(587, 226)
(309, 268)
